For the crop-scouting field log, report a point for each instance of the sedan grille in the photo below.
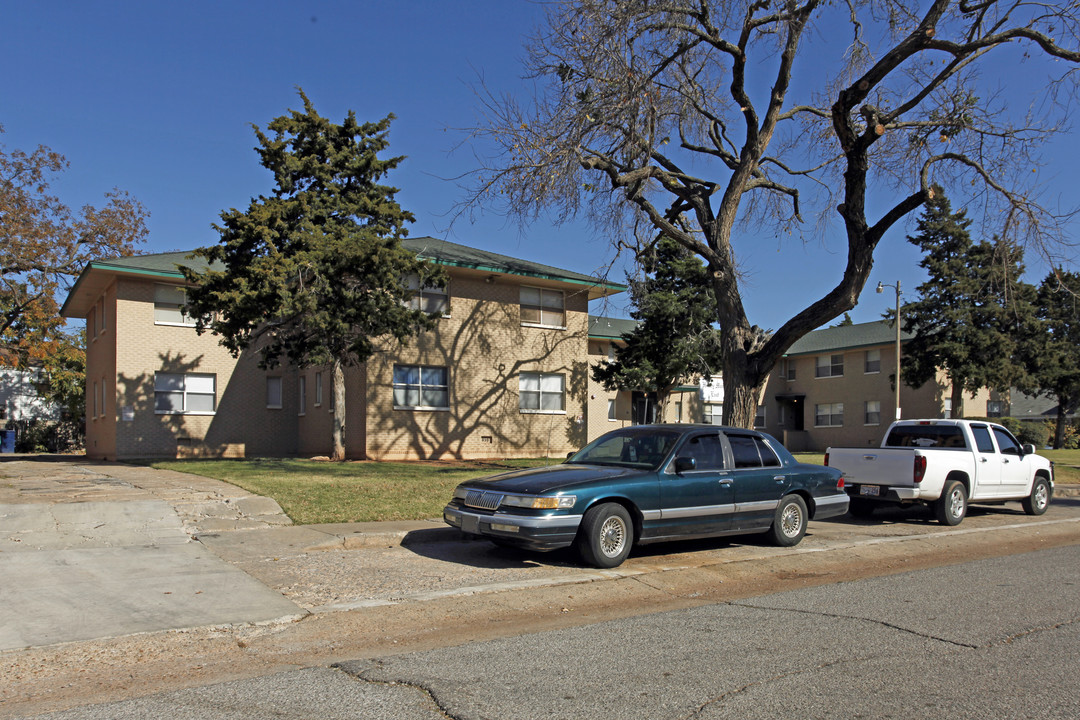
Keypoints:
(483, 500)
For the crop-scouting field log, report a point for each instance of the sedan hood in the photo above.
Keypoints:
(548, 480)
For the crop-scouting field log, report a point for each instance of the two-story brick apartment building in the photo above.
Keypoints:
(505, 373)
(834, 387)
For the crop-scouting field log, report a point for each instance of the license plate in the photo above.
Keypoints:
(873, 490)
(470, 524)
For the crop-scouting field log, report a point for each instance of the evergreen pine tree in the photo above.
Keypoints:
(972, 310)
(315, 273)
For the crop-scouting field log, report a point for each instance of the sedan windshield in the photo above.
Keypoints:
(628, 448)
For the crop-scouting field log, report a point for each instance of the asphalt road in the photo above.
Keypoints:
(992, 638)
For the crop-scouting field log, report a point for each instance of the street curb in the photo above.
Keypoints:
(356, 536)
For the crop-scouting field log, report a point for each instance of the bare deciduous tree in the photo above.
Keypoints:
(695, 118)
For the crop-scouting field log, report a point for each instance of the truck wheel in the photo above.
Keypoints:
(951, 507)
(1039, 499)
(789, 523)
(861, 508)
(605, 536)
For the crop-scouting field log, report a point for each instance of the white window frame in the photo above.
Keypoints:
(541, 384)
(713, 414)
(424, 384)
(830, 411)
(829, 368)
(274, 386)
(428, 293)
(166, 310)
(539, 305)
(872, 412)
(611, 412)
(872, 365)
(186, 386)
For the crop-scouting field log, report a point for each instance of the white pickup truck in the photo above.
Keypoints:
(945, 464)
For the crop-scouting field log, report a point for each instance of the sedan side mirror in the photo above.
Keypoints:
(685, 464)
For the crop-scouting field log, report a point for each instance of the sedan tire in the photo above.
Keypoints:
(606, 535)
(789, 523)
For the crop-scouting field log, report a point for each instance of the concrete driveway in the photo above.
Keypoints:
(91, 550)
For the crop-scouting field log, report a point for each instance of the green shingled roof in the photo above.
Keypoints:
(846, 337)
(609, 328)
(165, 265)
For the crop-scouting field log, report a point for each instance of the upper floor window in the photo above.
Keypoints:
(830, 366)
(193, 393)
(873, 361)
(101, 315)
(421, 387)
(168, 303)
(829, 415)
(789, 369)
(542, 307)
(542, 392)
(429, 298)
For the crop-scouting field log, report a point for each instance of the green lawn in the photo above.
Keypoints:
(313, 492)
(322, 492)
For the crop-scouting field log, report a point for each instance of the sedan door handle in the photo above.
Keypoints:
(779, 478)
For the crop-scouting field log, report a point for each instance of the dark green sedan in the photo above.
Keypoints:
(650, 483)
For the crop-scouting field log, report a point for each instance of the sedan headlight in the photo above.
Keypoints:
(460, 492)
(541, 502)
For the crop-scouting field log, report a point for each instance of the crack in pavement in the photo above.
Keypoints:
(883, 623)
(424, 690)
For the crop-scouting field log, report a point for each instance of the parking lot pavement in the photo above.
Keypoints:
(87, 554)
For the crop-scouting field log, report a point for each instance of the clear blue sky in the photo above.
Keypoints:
(158, 99)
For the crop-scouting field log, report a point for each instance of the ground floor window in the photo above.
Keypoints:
(611, 410)
(829, 415)
(759, 417)
(714, 414)
(193, 393)
(421, 387)
(542, 392)
(273, 393)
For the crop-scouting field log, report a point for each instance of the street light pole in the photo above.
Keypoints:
(880, 288)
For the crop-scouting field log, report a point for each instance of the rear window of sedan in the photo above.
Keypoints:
(750, 451)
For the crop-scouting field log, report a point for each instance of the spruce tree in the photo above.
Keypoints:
(674, 340)
(314, 274)
(1056, 350)
(972, 310)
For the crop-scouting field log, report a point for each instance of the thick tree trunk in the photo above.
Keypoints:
(957, 400)
(337, 377)
(743, 384)
(1059, 425)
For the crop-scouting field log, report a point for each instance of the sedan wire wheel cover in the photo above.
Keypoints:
(791, 520)
(612, 536)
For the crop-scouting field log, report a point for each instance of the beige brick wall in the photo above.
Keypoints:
(597, 413)
(853, 389)
(485, 346)
(242, 424)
